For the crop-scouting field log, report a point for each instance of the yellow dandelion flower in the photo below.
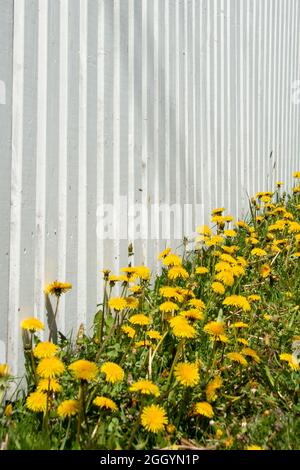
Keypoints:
(45, 349)
(204, 230)
(226, 277)
(241, 224)
(227, 259)
(51, 367)
(128, 330)
(218, 211)
(68, 408)
(132, 303)
(264, 193)
(230, 249)
(254, 298)
(193, 314)
(290, 359)
(252, 240)
(106, 403)
(172, 260)
(178, 272)
(113, 372)
(143, 343)
(241, 261)
(251, 353)
(237, 357)
(212, 386)
(237, 301)
(218, 288)
(230, 233)
(294, 227)
(143, 272)
(84, 370)
(139, 319)
(197, 303)
(32, 324)
(219, 220)
(186, 293)
(258, 252)
(279, 225)
(50, 385)
(239, 324)
(215, 240)
(283, 241)
(265, 270)
(145, 387)
(120, 278)
(154, 418)
(187, 374)
(171, 293)
(254, 447)
(228, 442)
(296, 174)
(153, 334)
(168, 307)
(219, 433)
(202, 270)
(130, 270)
(296, 190)
(222, 266)
(135, 289)
(181, 328)
(238, 270)
(171, 429)
(4, 371)
(204, 409)
(37, 402)
(216, 329)
(275, 249)
(164, 253)
(57, 288)
(243, 341)
(8, 411)
(117, 303)
(128, 278)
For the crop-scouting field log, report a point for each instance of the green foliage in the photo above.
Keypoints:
(242, 344)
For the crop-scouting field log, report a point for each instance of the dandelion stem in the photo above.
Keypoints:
(102, 314)
(53, 322)
(175, 360)
(134, 429)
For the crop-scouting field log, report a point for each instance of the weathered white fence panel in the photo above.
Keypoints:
(162, 101)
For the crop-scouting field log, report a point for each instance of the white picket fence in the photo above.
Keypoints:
(187, 102)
